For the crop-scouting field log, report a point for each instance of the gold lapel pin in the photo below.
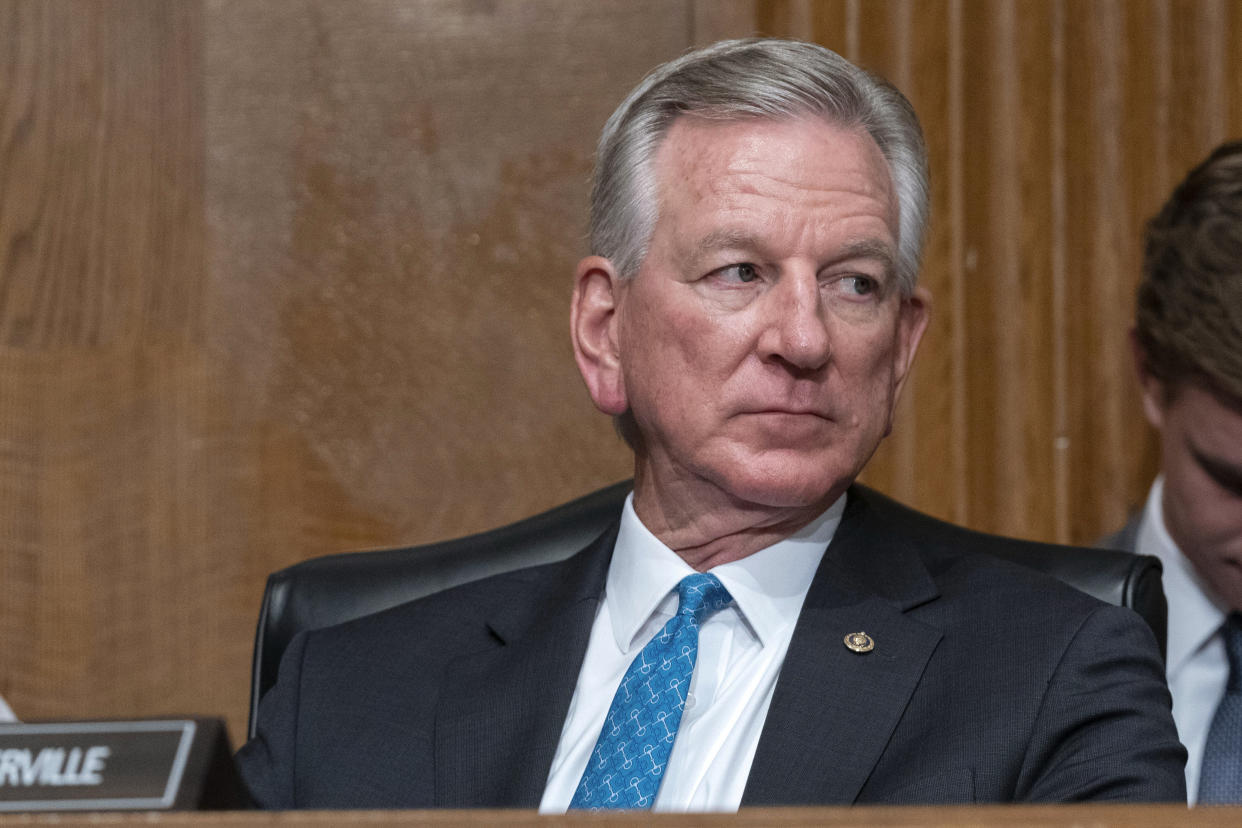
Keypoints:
(860, 642)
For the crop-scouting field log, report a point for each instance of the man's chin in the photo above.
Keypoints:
(783, 488)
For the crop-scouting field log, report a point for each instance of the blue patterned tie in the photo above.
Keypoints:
(625, 768)
(1221, 779)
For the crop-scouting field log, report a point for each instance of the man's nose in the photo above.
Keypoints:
(795, 331)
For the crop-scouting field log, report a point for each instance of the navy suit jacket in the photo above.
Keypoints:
(988, 683)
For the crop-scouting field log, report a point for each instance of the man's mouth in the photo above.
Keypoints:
(790, 411)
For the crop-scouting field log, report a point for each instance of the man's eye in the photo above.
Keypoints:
(742, 273)
(860, 285)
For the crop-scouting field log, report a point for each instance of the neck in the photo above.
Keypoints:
(707, 526)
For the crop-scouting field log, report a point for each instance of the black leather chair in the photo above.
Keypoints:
(335, 588)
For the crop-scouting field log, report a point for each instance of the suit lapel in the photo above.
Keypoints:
(833, 709)
(500, 713)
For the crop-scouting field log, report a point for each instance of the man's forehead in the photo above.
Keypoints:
(802, 162)
(701, 152)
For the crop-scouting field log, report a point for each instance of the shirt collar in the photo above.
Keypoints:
(1195, 614)
(768, 587)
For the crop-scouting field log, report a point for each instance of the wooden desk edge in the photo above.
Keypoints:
(1083, 816)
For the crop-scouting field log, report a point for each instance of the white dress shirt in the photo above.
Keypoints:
(1197, 667)
(741, 649)
(6, 713)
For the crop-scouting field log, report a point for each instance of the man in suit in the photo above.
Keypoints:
(1187, 344)
(755, 629)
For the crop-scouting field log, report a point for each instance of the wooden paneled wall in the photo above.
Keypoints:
(287, 278)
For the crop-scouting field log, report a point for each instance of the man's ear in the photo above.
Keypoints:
(912, 323)
(593, 326)
(1153, 391)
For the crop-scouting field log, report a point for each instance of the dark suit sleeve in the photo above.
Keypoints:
(266, 761)
(1104, 729)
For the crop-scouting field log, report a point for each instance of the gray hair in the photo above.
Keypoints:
(736, 80)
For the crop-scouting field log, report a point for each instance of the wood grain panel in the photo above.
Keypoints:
(100, 160)
(109, 578)
(713, 20)
(404, 198)
(1061, 483)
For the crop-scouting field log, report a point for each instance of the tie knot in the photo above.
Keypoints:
(1231, 632)
(701, 594)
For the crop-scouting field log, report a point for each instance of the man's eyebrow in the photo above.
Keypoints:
(727, 239)
(1227, 475)
(869, 249)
